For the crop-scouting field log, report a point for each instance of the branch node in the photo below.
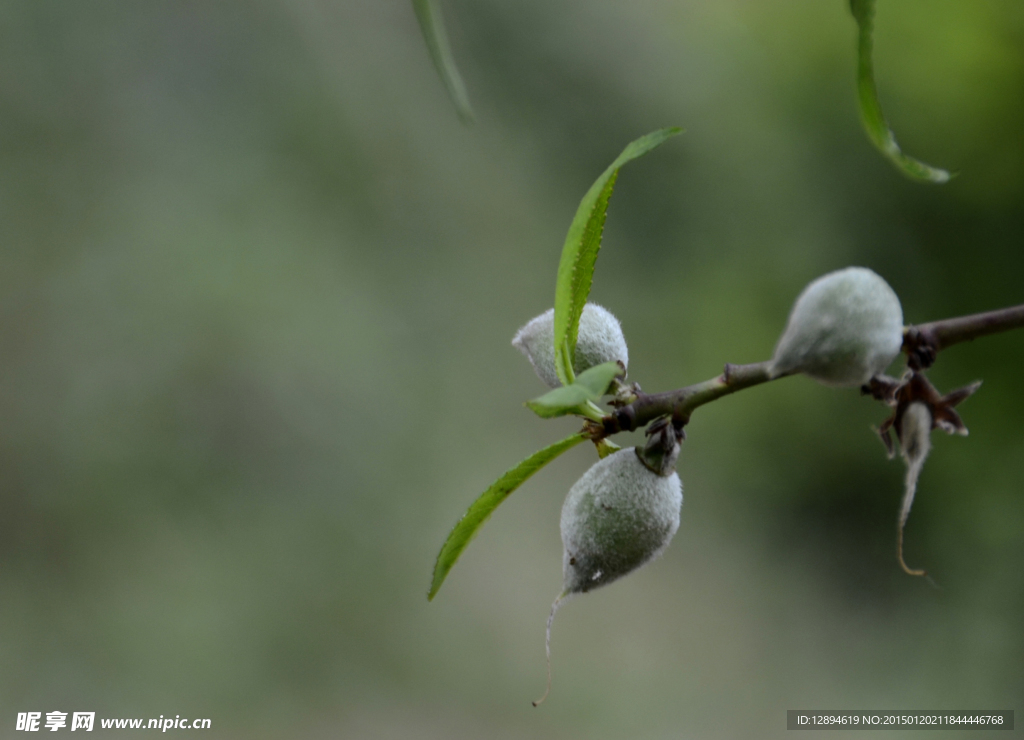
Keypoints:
(624, 420)
(921, 346)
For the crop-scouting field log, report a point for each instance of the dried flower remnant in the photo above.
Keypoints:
(915, 433)
(918, 409)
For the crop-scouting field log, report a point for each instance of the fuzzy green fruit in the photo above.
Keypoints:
(618, 516)
(845, 327)
(599, 340)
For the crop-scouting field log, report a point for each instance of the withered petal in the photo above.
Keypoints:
(949, 421)
(953, 398)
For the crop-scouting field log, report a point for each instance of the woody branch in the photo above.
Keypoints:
(921, 343)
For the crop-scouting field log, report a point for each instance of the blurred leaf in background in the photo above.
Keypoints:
(428, 13)
(871, 115)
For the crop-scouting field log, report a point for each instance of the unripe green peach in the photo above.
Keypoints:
(599, 340)
(845, 327)
(618, 516)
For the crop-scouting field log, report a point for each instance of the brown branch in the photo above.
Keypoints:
(921, 344)
(681, 403)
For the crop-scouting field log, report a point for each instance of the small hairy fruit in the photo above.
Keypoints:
(844, 328)
(621, 514)
(599, 340)
(617, 517)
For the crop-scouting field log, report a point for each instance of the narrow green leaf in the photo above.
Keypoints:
(489, 500)
(582, 243)
(432, 25)
(596, 379)
(590, 385)
(871, 115)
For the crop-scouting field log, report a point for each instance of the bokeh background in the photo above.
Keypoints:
(257, 287)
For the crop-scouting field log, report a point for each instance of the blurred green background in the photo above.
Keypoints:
(257, 288)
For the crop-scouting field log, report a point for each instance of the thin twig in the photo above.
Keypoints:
(921, 343)
(681, 403)
(924, 341)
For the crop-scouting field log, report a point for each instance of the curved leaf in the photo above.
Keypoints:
(590, 385)
(871, 115)
(582, 243)
(488, 501)
(432, 25)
